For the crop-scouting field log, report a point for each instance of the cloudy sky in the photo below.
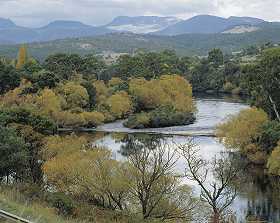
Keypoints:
(96, 12)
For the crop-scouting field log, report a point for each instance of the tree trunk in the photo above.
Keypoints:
(215, 217)
(274, 108)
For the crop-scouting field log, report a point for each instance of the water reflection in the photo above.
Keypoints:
(258, 195)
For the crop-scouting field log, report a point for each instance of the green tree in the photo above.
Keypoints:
(9, 76)
(14, 155)
(216, 57)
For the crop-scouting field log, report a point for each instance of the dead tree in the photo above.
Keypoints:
(218, 193)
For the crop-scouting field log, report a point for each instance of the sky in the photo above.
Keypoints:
(35, 13)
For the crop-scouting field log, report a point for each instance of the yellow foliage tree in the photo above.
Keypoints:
(75, 95)
(22, 57)
(273, 163)
(240, 131)
(102, 91)
(95, 174)
(49, 103)
(93, 118)
(120, 104)
(169, 90)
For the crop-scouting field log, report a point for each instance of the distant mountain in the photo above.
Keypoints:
(208, 24)
(6, 23)
(68, 29)
(11, 33)
(184, 45)
(141, 24)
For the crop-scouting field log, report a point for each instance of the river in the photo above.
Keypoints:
(258, 198)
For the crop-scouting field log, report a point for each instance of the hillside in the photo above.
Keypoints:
(208, 24)
(10, 33)
(141, 24)
(188, 44)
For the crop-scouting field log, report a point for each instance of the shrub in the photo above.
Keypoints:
(161, 117)
(64, 204)
(93, 119)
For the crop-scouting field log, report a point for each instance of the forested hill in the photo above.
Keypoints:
(187, 44)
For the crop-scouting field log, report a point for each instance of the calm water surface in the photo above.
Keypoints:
(258, 197)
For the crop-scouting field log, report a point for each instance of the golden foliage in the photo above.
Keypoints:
(93, 118)
(76, 168)
(74, 94)
(273, 163)
(169, 90)
(22, 57)
(120, 104)
(49, 103)
(241, 130)
(102, 92)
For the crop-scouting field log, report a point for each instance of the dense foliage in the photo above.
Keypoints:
(149, 90)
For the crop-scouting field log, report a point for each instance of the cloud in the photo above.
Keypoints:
(96, 12)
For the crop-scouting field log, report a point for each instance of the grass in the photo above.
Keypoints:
(12, 201)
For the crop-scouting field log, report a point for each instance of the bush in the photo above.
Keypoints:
(64, 204)
(161, 117)
(24, 116)
(138, 121)
(93, 119)
(270, 135)
(166, 116)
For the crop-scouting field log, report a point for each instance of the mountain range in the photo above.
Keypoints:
(10, 33)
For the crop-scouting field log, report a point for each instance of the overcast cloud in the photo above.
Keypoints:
(97, 12)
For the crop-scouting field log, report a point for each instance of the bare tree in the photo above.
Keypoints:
(155, 185)
(219, 193)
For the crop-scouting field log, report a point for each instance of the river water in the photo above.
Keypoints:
(258, 197)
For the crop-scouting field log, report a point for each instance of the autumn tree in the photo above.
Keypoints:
(273, 163)
(155, 186)
(75, 95)
(243, 131)
(120, 104)
(95, 175)
(22, 57)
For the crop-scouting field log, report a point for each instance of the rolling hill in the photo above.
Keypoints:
(208, 24)
(141, 24)
(187, 44)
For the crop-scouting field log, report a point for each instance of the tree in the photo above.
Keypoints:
(216, 57)
(34, 144)
(155, 186)
(9, 76)
(49, 103)
(219, 194)
(92, 67)
(273, 163)
(168, 90)
(44, 79)
(22, 57)
(75, 95)
(263, 82)
(243, 129)
(64, 65)
(120, 104)
(95, 175)
(14, 155)
(91, 93)
(24, 116)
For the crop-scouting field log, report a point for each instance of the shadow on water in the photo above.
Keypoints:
(258, 195)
